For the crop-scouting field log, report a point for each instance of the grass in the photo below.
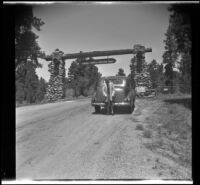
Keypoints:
(171, 126)
(159, 143)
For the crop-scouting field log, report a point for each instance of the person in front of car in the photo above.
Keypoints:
(109, 92)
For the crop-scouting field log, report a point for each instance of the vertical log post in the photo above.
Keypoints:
(142, 76)
(55, 89)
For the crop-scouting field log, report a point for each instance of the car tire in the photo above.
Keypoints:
(97, 109)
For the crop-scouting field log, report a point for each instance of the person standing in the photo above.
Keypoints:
(109, 92)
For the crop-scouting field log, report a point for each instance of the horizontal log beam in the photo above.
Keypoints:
(101, 53)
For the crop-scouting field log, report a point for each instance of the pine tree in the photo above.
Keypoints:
(26, 45)
(170, 56)
(27, 51)
(41, 90)
(30, 84)
(121, 72)
(185, 69)
(82, 77)
(153, 69)
(180, 21)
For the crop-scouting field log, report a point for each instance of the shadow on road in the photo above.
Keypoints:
(117, 110)
(186, 102)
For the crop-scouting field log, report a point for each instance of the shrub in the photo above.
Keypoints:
(44, 100)
(69, 93)
(81, 96)
(147, 133)
(90, 91)
(139, 127)
(171, 111)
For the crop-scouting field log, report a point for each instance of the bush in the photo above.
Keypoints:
(44, 101)
(139, 127)
(69, 93)
(81, 96)
(147, 133)
(171, 111)
(90, 91)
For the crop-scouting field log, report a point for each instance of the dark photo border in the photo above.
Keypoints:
(8, 128)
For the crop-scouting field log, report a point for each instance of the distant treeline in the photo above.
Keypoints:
(82, 79)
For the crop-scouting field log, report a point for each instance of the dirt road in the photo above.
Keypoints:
(66, 140)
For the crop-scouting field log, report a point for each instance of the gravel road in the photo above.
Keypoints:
(66, 140)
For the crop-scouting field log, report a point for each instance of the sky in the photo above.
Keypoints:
(91, 27)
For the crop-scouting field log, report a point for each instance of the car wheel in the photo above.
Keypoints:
(97, 109)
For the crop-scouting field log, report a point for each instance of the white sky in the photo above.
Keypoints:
(73, 28)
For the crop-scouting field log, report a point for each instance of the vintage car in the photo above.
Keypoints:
(124, 94)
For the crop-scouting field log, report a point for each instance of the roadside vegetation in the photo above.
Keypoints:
(167, 132)
(139, 127)
(170, 130)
